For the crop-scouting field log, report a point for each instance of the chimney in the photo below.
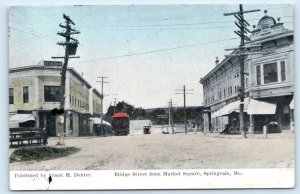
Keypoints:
(217, 61)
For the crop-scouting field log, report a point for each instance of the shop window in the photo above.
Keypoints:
(283, 76)
(270, 73)
(25, 94)
(51, 93)
(11, 96)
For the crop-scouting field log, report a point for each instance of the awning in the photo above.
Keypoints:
(21, 118)
(257, 107)
(292, 104)
(98, 121)
(231, 107)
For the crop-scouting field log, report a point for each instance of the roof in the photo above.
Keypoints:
(261, 40)
(265, 20)
(40, 66)
(97, 92)
(120, 114)
(226, 59)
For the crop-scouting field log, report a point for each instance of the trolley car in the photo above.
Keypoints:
(120, 124)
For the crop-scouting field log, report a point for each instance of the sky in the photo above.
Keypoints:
(146, 51)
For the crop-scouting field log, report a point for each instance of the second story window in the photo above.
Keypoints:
(25, 94)
(270, 73)
(282, 67)
(51, 93)
(11, 96)
(258, 75)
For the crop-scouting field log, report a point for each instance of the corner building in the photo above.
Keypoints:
(35, 91)
(269, 83)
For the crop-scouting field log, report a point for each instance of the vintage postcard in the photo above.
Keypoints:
(111, 97)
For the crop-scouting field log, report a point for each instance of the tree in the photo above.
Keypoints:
(153, 116)
(134, 113)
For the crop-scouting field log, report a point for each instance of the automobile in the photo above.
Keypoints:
(147, 129)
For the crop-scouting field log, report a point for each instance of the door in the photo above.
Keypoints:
(50, 125)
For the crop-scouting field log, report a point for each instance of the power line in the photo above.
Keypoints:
(177, 24)
(156, 29)
(28, 40)
(201, 16)
(156, 51)
(18, 30)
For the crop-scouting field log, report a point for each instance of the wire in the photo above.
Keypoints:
(13, 28)
(178, 24)
(28, 40)
(213, 27)
(156, 51)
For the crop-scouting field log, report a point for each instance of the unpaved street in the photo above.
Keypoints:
(171, 151)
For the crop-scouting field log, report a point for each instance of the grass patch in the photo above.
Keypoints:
(41, 153)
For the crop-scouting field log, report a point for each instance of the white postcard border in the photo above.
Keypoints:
(145, 179)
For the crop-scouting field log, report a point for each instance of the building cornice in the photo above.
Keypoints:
(41, 67)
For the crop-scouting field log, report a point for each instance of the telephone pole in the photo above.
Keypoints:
(242, 25)
(115, 102)
(102, 82)
(171, 123)
(70, 45)
(184, 104)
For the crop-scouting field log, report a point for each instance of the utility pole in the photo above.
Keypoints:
(102, 82)
(70, 45)
(171, 123)
(184, 104)
(240, 52)
(115, 101)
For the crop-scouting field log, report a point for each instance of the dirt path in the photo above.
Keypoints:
(178, 151)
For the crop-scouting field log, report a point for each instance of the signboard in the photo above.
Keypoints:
(52, 63)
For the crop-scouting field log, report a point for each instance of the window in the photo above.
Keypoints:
(51, 93)
(270, 73)
(258, 75)
(282, 65)
(25, 94)
(229, 89)
(11, 96)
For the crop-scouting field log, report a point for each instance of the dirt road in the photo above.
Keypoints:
(171, 151)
